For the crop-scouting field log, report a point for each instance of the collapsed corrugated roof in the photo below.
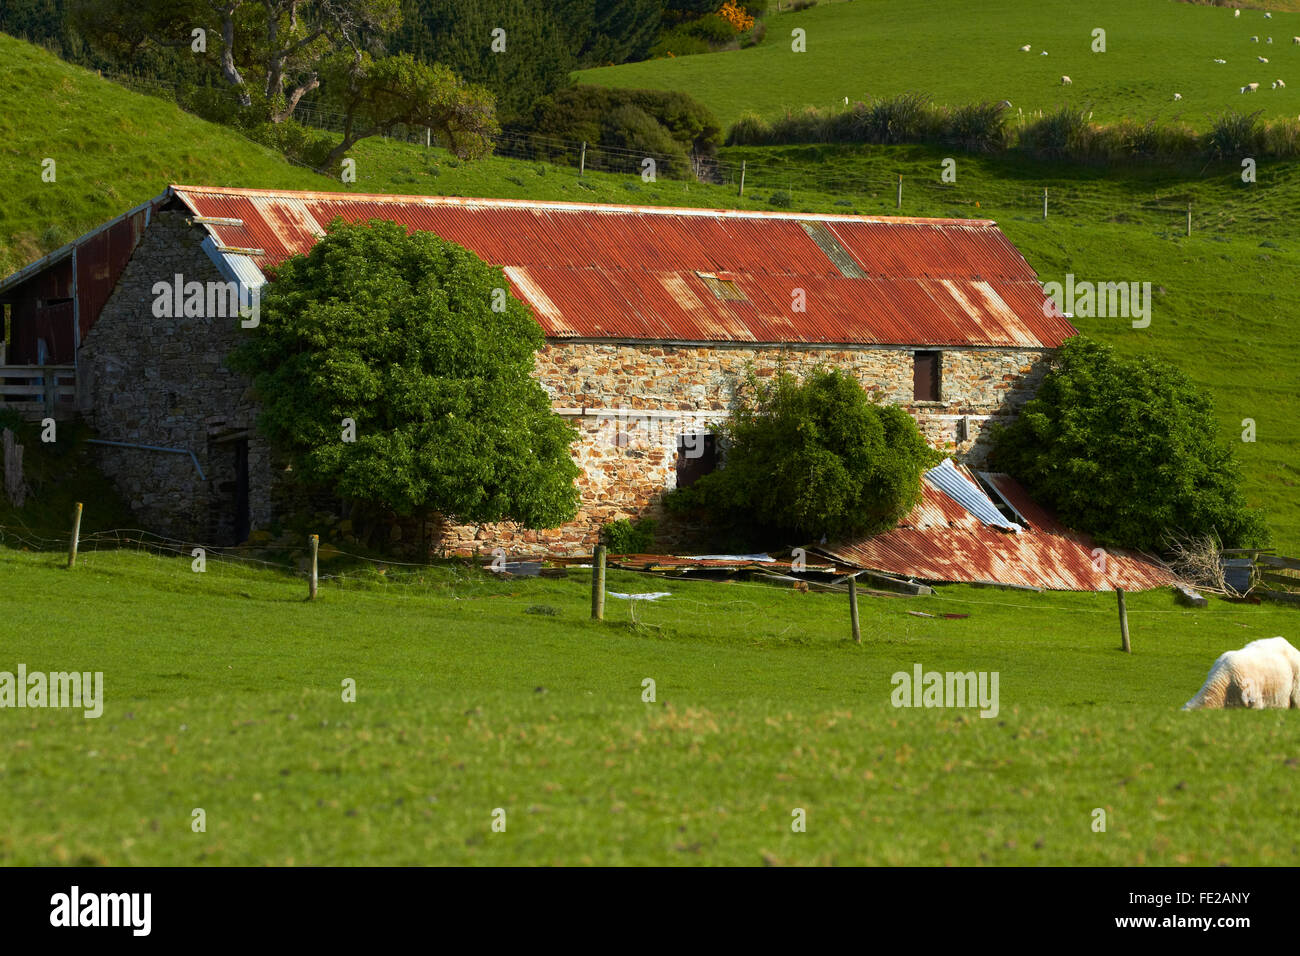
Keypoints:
(943, 540)
(632, 272)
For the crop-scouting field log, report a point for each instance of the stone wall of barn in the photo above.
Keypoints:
(155, 381)
(631, 402)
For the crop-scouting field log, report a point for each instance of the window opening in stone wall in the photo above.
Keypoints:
(697, 456)
(925, 376)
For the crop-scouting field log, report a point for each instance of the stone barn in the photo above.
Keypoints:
(651, 317)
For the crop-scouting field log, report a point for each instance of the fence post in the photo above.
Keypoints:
(582, 160)
(1189, 219)
(742, 177)
(598, 584)
(1044, 202)
(76, 535)
(900, 191)
(853, 609)
(1123, 622)
(311, 581)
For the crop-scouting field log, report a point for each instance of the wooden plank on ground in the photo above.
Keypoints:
(1274, 561)
(1185, 595)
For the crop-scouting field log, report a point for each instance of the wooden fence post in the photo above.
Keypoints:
(900, 191)
(76, 535)
(1189, 219)
(1044, 202)
(742, 177)
(311, 581)
(853, 609)
(1123, 622)
(582, 160)
(598, 584)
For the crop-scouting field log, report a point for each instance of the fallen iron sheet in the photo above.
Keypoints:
(685, 563)
(940, 540)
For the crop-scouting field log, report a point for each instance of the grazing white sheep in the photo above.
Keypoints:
(1025, 48)
(1236, 13)
(1250, 88)
(1262, 59)
(1254, 39)
(1268, 39)
(1279, 85)
(1066, 81)
(1295, 39)
(1220, 61)
(1268, 16)
(1178, 96)
(1262, 674)
(1044, 53)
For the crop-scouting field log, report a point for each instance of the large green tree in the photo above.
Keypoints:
(811, 458)
(417, 342)
(1127, 450)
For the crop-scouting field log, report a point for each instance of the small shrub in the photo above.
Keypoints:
(749, 130)
(628, 537)
(810, 458)
(781, 198)
(1057, 135)
(976, 128)
(1282, 138)
(1235, 134)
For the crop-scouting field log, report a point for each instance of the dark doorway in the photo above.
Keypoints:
(228, 519)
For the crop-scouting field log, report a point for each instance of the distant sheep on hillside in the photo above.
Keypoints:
(1025, 48)
(1178, 96)
(1250, 88)
(1279, 85)
(1066, 81)
(1262, 674)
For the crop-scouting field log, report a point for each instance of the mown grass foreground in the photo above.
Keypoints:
(224, 692)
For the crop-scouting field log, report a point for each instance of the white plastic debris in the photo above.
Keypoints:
(651, 596)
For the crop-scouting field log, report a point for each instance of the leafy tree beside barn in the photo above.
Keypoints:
(1127, 450)
(396, 370)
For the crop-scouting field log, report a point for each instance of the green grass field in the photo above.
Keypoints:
(963, 51)
(223, 692)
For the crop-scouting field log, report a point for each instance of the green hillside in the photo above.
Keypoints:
(112, 150)
(968, 51)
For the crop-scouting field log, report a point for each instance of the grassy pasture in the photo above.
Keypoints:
(968, 51)
(223, 693)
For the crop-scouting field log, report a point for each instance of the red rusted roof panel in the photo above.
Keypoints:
(941, 541)
(630, 272)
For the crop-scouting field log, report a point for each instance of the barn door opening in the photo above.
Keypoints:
(228, 519)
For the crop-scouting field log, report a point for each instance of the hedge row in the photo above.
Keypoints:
(1065, 133)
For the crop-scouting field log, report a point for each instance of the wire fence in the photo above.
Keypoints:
(782, 184)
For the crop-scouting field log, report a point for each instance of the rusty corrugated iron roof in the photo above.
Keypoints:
(634, 272)
(940, 540)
